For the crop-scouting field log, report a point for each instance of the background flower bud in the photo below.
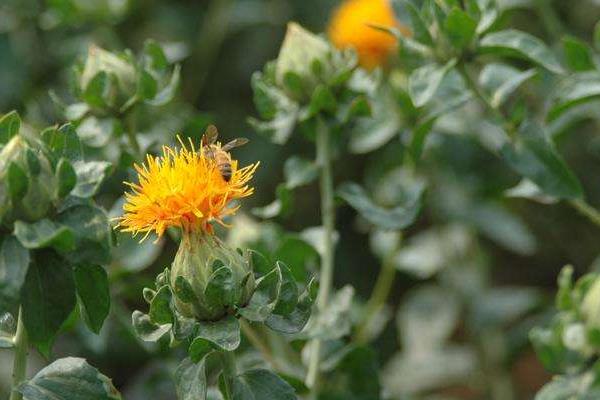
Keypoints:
(208, 278)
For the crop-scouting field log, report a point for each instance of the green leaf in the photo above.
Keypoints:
(489, 14)
(154, 56)
(160, 307)
(17, 182)
(69, 378)
(147, 330)
(8, 329)
(63, 142)
(91, 282)
(14, 263)
(147, 86)
(223, 334)
(288, 292)
(220, 290)
(261, 384)
(532, 154)
(299, 172)
(98, 89)
(9, 126)
(184, 290)
(92, 233)
(199, 348)
(576, 89)
(424, 82)
(190, 380)
(48, 299)
(578, 54)
(263, 301)
(43, 234)
(419, 28)
(66, 178)
(398, 217)
(502, 80)
(296, 320)
(564, 300)
(322, 100)
(519, 44)
(260, 264)
(460, 28)
(90, 176)
(33, 162)
(167, 93)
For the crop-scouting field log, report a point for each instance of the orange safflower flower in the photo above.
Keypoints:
(182, 188)
(350, 27)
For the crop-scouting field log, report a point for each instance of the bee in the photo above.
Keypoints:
(220, 154)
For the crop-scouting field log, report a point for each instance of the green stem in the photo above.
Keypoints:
(588, 211)
(259, 344)
(20, 361)
(327, 263)
(380, 294)
(229, 372)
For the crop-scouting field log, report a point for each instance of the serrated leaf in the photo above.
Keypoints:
(69, 378)
(516, 43)
(43, 234)
(91, 282)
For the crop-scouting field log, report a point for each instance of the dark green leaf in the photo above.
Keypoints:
(220, 290)
(66, 178)
(515, 43)
(578, 54)
(295, 321)
(9, 126)
(69, 378)
(502, 80)
(199, 348)
(575, 90)
(45, 233)
(419, 28)
(63, 142)
(183, 290)
(190, 380)
(92, 233)
(48, 299)
(460, 28)
(33, 162)
(155, 56)
(14, 263)
(288, 293)
(91, 282)
(97, 91)
(260, 264)
(160, 307)
(533, 156)
(147, 86)
(17, 182)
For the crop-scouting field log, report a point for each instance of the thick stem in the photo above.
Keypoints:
(20, 361)
(327, 263)
(229, 372)
(380, 294)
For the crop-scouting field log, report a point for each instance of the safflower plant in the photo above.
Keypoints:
(434, 132)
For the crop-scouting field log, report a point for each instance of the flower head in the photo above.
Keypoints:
(350, 27)
(184, 188)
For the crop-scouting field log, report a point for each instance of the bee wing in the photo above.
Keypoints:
(234, 143)
(210, 135)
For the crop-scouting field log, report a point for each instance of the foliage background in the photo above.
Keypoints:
(220, 44)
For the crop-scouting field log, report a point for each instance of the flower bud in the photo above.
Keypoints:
(299, 50)
(208, 278)
(37, 199)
